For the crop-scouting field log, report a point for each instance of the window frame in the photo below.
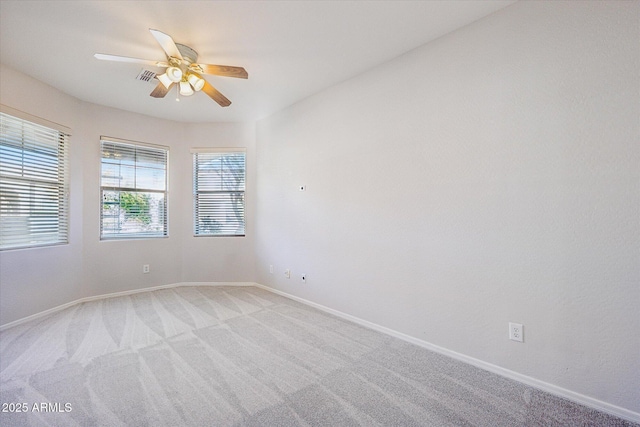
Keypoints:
(47, 172)
(195, 152)
(134, 146)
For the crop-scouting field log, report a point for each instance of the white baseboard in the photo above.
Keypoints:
(117, 294)
(540, 385)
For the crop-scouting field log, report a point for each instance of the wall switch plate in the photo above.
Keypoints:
(287, 273)
(516, 332)
(271, 269)
(145, 268)
(303, 278)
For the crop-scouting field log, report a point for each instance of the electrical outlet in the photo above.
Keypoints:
(145, 268)
(287, 273)
(516, 332)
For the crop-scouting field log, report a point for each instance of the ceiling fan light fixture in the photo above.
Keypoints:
(196, 82)
(164, 79)
(174, 74)
(182, 71)
(185, 89)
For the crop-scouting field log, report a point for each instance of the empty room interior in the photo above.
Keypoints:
(299, 213)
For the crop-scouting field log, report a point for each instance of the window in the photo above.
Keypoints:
(218, 191)
(34, 181)
(134, 190)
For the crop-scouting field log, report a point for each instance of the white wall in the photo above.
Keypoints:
(487, 177)
(34, 280)
(222, 259)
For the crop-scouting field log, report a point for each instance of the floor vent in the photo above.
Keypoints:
(146, 75)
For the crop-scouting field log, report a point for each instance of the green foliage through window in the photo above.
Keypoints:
(134, 205)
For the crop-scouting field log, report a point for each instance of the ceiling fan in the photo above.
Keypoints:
(182, 70)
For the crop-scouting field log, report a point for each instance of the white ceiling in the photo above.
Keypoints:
(291, 49)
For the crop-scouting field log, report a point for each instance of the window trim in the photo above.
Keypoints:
(126, 237)
(211, 150)
(35, 119)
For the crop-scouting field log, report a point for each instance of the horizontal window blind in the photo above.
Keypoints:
(218, 192)
(134, 190)
(34, 184)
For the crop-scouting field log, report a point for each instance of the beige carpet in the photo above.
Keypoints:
(242, 356)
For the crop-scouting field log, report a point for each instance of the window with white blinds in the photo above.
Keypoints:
(34, 184)
(218, 192)
(133, 187)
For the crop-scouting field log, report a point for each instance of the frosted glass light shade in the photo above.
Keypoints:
(185, 89)
(164, 79)
(196, 82)
(174, 74)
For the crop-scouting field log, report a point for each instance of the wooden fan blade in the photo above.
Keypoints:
(166, 43)
(106, 57)
(222, 70)
(160, 91)
(215, 95)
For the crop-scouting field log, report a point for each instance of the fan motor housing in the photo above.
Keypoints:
(188, 54)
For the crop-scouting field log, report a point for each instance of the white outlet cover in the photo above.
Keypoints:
(516, 332)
